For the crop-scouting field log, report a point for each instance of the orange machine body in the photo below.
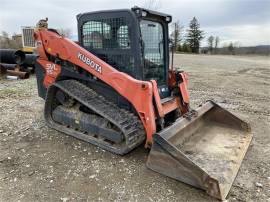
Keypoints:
(143, 95)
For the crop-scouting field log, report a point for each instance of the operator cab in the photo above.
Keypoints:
(133, 41)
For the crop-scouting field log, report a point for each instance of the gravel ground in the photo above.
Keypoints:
(40, 164)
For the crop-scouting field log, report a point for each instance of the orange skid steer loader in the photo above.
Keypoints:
(114, 89)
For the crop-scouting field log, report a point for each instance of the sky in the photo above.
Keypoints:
(245, 22)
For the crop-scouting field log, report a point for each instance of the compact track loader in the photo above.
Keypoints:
(114, 89)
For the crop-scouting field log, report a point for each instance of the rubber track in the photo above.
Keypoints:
(128, 123)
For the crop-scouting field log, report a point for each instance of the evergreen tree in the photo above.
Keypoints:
(194, 36)
(179, 48)
(186, 48)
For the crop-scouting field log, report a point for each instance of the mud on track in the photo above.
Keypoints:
(40, 164)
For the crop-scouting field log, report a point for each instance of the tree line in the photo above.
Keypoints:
(13, 42)
(187, 41)
(191, 41)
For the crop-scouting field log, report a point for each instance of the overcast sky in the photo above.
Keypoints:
(244, 21)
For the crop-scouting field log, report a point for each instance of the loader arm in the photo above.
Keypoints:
(138, 93)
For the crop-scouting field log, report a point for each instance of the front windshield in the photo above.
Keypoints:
(153, 47)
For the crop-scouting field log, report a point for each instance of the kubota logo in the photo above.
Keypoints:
(90, 62)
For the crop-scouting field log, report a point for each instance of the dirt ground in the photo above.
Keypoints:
(40, 164)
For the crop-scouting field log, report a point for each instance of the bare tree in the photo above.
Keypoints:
(176, 35)
(65, 32)
(216, 43)
(7, 42)
(5, 35)
(210, 41)
(217, 40)
(231, 48)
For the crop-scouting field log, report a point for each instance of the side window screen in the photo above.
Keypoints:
(123, 37)
(106, 37)
(94, 33)
(109, 33)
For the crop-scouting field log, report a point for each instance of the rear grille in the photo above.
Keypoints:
(28, 39)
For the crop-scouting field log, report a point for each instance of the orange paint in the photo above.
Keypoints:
(139, 93)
